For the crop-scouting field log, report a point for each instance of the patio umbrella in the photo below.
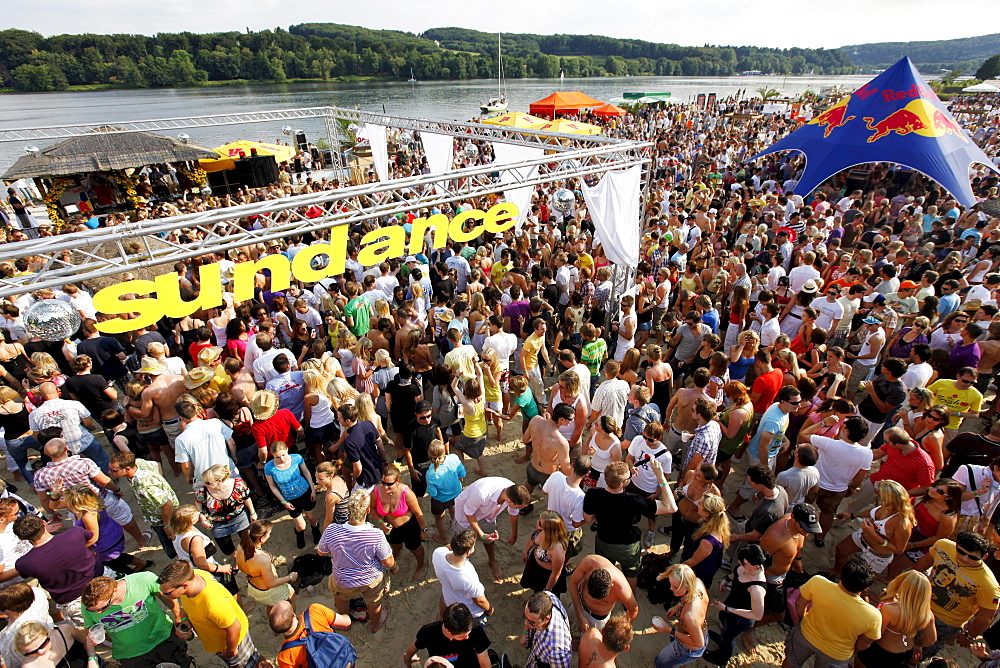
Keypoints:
(233, 151)
(562, 126)
(516, 119)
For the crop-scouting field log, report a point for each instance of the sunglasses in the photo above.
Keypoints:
(389, 484)
(650, 439)
(102, 608)
(45, 643)
(424, 417)
(794, 403)
(968, 555)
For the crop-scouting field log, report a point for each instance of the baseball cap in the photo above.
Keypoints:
(909, 285)
(875, 297)
(807, 516)
(872, 320)
(422, 407)
(410, 258)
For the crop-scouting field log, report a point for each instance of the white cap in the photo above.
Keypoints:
(411, 258)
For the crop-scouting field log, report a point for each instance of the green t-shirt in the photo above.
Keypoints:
(137, 625)
(593, 353)
(358, 309)
(529, 408)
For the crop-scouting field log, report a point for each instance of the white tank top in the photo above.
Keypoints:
(220, 334)
(182, 538)
(566, 430)
(866, 348)
(666, 297)
(601, 458)
(322, 413)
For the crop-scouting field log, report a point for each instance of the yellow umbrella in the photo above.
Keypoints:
(233, 151)
(563, 126)
(516, 119)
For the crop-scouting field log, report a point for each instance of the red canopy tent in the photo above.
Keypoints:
(608, 110)
(563, 101)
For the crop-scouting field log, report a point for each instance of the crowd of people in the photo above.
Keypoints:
(835, 351)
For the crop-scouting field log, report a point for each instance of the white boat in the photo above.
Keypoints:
(411, 79)
(498, 104)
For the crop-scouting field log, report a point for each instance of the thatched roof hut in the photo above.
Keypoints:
(104, 149)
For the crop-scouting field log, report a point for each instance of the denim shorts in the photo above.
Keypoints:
(233, 526)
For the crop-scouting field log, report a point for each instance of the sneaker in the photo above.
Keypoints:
(650, 539)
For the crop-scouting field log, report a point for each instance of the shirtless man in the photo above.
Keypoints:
(162, 391)
(600, 648)
(595, 587)
(380, 336)
(783, 541)
(990, 351)
(549, 448)
(681, 404)
(404, 323)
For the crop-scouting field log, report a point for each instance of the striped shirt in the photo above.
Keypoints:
(356, 553)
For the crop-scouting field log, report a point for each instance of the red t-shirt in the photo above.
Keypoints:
(279, 427)
(767, 386)
(196, 348)
(911, 471)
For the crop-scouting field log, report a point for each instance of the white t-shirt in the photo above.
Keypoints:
(203, 445)
(644, 477)
(986, 501)
(12, 548)
(916, 375)
(827, 312)
(458, 585)
(801, 275)
(565, 500)
(480, 501)
(769, 332)
(504, 344)
(839, 461)
(263, 366)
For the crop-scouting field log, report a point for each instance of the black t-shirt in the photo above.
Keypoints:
(359, 446)
(892, 393)
(145, 340)
(617, 514)
(89, 390)
(918, 270)
(969, 448)
(404, 401)
(419, 436)
(461, 653)
(103, 352)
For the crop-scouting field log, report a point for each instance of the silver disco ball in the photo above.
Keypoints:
(406, 136)
(184, 137)
(206, 191)
(353, 128)
(471, 151)
(563, 200)
(286, 129)
(31, 149)
(51, 320)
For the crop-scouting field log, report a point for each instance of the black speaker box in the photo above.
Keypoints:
(257, 172)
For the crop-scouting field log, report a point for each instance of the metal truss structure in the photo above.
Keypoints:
(105, 252)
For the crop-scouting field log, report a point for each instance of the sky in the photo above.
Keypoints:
(803, 23)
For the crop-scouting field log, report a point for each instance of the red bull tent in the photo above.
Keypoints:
(894, 118)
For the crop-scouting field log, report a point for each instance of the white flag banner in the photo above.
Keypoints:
(613, 205)
(439, 150)
(511, 154)
(375, 134)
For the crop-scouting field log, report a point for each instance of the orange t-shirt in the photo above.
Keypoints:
(323, 619)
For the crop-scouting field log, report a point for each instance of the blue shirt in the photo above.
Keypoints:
(444, 483)
(947, 304)
(775, 421)
(711, 318)
(289, 482)
(291, 390)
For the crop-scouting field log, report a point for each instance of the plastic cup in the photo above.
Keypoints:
(97, 633)
(686, 436)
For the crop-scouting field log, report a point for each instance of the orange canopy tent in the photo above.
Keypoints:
(563, 101)
(608, 110)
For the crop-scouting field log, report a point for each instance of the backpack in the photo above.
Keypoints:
(324, 649)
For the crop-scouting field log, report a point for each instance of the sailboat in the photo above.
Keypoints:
(411, 79)
(498, 104)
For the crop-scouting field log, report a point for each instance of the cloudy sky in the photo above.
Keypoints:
(804, 23)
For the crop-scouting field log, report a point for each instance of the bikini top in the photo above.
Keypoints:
(401, 508)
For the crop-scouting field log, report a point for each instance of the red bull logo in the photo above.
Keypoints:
(918, 117)
(834, 117)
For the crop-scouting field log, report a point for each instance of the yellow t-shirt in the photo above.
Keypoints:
(531, 347)
(222, 381)
(491, 389)
(957, 592)
(212, 612)
(475, 424)
(585, 260)
(963, 401)
(499, 270)
(836, 619)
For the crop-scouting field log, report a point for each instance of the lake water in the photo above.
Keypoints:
(444, 100)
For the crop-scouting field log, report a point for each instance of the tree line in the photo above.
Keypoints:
(930, 57)
(326, 51)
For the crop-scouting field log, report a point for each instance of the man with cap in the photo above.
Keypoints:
(162, 392)
(419, 434)
(211, 358)
(903, 302)
(424, 277)
(783, 540)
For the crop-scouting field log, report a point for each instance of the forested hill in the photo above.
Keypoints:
(964, 54)
(327, 51)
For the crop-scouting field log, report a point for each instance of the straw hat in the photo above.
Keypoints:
(151, 367)
(208, 355)
(264, 404)
(809, 287)
(198, 376)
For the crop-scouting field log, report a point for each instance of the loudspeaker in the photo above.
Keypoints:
(257, 172)
(223, 182)
(300, 140)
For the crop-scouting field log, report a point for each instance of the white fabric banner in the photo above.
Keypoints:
(509, 154)
(439, 151)
(375, 134)
(613, 205)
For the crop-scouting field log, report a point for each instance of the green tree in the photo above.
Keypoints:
(767, 93)
(38, 78)
(126, 73)
(181, 69)
(990, 69)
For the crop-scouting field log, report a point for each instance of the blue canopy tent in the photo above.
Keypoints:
(894, 118)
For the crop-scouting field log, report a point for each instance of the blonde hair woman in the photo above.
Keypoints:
(48, 649)
(492, 373)
(479, 325)
(346, 341)
(194, 546)
(341, 392)
(686, 620)
(703, 553)
(885, 529)
(907, 623)
(225, 504)
(545, 555)
(318, 416)
(107, 540)
(363, 369)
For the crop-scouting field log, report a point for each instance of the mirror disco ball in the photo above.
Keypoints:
(51, 320)
(471, 151)
(406, 136)
(563, 200)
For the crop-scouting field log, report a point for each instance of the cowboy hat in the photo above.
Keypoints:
(151, 367)
(208, 355)
(198, 376)
(264, 404)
